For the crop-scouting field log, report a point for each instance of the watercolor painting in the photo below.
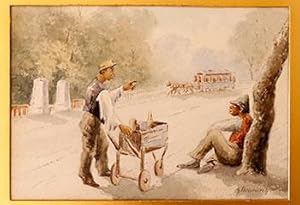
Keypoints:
(119, 102)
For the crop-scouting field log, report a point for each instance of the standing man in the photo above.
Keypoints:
(98, 115)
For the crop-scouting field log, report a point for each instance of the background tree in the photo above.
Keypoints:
(256, 144)
(253, 37)
(69, 43)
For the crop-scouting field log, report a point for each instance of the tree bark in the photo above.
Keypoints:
(256, 143)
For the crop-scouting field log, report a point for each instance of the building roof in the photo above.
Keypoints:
(214, 71)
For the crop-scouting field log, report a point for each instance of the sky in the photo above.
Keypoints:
(205, 27)
(188, 39)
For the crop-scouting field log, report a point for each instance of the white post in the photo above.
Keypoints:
(39, 103)
(63, 98)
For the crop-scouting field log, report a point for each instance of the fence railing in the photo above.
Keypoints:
(19, 110)
(77, 103)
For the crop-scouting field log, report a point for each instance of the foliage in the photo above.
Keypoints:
(254, 36)
(69, 43)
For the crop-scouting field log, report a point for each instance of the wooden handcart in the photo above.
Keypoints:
(139, 143)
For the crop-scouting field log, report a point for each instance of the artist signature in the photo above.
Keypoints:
(251, 189)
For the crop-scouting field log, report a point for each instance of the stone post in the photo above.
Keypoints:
(39, 103)
(63, 99)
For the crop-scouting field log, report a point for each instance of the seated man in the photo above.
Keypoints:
(228, 152)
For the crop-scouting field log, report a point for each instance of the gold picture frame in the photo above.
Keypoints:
(5, 154)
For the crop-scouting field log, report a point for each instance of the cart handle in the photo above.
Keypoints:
(116, 145)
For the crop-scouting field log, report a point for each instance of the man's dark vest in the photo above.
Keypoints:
(91, 105)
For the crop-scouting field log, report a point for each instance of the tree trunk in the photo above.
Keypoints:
(256, 143)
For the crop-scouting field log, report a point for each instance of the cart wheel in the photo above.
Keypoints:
(144, 180)
(159, 168)
(114, 177)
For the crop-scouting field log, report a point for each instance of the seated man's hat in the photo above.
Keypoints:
(242, 102)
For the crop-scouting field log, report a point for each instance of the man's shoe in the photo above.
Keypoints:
(107, 173)
(190, 165)
(207, 167)
(88, 181)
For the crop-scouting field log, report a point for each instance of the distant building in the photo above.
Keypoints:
(212, 80)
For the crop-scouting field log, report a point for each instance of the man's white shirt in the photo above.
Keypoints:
(107, 100)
